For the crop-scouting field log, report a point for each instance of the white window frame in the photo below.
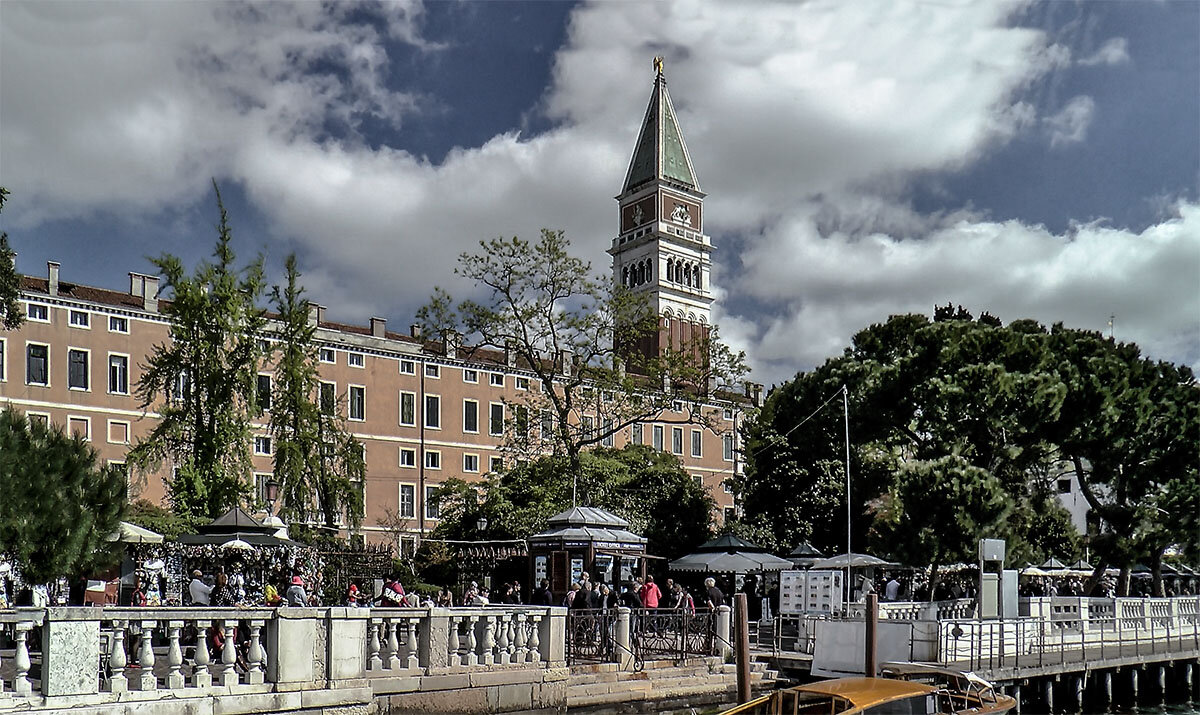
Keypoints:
(725, 487)
(87, 319)
(408, 367)
(267, 441)
(108, 373)
(427, 502)
(728, 447)
(29, 415)
(49, 372)
(677, 432)
(87, 434)
(108, 431)
(609, 439)
(727, 414)
(88, 353)
(503, 416)
(270, 389)
(496, 379)
(495, 460)
(433, 371)
(469, 456)
(521, 383)
(464, 426)
(470, 376)
(323, 352)
(30, 307)
(400, 409)
(350, 403)
(658, 438)
(353, 357)
(433, 459)
(411, 452)
(697, 443)
(400, 500)
(3, 359)
(425, 411)
(320, 406)
(120, 318)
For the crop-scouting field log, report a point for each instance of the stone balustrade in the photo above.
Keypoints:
(92, 656)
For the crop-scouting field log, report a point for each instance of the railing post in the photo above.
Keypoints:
(175, 679)
(346, 651)
(21, 684)
(535, 649)
(147, 681)
(723, 631)
(70, 650)
(553, 635)
(201, 676)
(254, 655)
(502, 644)
(520, 651)
(229, 676)
(487, 639)
(452, 645)
(624, 644)
(393, 643)
(472, 655)
(410, 642)
(374, 661)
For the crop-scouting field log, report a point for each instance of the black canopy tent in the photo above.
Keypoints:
(585, 539)
(235, 525)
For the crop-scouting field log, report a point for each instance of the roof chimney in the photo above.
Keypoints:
(52, 270)
(450, 343)
(316, 314)
(564, 362)
(510, 354)
(150, 298)
(415, 330)
(378, 327)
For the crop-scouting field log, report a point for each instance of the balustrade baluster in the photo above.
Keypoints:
(116, 660)
(410, 642)
(471, 658)
(147, 681)
(452, 647)
(254, 655)
(175, 680)
(229, 675)
(521, 651)
(535, 646)
(502, 645)
(487, 648)
(21, 684)
(374, 662)
(393, 645)
(510, 624)
(201, 675)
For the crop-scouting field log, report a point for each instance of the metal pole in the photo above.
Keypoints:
(743, 648)
(872, 625)
(846, 415)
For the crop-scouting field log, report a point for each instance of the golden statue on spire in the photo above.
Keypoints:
(658, 64)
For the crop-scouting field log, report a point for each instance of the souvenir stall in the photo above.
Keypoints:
(586, 539)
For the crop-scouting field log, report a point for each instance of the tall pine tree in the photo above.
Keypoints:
(202, 380)
(317, 463)
(11, 316)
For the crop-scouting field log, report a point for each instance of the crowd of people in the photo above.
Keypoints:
(585, 594)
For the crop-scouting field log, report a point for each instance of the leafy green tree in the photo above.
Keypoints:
(202, 380)
(647, 487)
(11, 316)
(317, 462)
(59, 505)
(574, 331)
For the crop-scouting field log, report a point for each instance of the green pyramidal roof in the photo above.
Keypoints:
(660, 153)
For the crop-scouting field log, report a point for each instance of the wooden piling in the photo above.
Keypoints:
(743, 647)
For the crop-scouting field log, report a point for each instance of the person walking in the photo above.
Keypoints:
(649, 593)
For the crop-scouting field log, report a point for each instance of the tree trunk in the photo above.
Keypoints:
(1093, 582)
(1123, 581)
(1156, 585)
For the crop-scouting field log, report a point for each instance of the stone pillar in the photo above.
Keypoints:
(1106, 689)
(1015, 692)
(624, 645)
(433, 634)
(291, 638)
(347, 643)
(724, 639)
(1162, 683)
(1133, 684)
(1077, 693)
(70, 650)
(1048, 694)
(553, 635)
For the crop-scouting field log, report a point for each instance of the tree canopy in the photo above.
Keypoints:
(202, 381)
(960, 429)
(59, 505)
(575, 332)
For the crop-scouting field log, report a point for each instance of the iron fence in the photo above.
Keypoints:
(590, 635)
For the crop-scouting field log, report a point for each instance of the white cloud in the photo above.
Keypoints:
(1115, 51)
(804, 122)
(1070, 124)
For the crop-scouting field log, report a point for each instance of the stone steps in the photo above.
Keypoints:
(601, 686)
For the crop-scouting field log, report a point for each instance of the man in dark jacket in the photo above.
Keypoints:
(714, 597)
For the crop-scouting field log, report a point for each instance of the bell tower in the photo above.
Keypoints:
(661, 249)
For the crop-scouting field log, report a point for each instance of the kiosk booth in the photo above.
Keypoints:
(585, 539)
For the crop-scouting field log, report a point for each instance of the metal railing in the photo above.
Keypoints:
(660, 634)
(591, 635)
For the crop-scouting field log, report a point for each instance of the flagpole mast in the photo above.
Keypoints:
(846, 416)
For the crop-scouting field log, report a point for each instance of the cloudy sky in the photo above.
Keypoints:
(861, 158)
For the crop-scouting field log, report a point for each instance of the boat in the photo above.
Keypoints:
(901, 689)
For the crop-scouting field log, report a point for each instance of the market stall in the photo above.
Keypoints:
(586, 539)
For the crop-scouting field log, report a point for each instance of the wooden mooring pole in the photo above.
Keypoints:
(870, 668)
(743, 647)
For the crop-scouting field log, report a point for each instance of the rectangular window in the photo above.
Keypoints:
(432, 510)
(262, 445)
(1064, 486)
(727, 447)
(727, 414)
(118, 432)
(408, 367)
(3, 362)
(38, 312)
(118, 374)
(607, 439)
(471, 376)
(264, 346)
(471, 463)
(80, 319)
(470, 416)
(433, 459)
(635, 433)
(182, 388)
(408, 498)
(408, 409)
(117, 324)
(79, 427)
(328, 355)
(40, 418)
(358, 403)
(496, 379)
(696, 443)
(727, 487)
(522, 383)
(433, 411)
(408, 457)
(328, 397)
(37, 360)
(356, 360)
(658, 437)
(495, 464)
(677, 440)
(263, 392)
(521, 421)
(589, 427)
(77, 369)
(730, 513)
(434, 371)
(547, 424)
(496, 419)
